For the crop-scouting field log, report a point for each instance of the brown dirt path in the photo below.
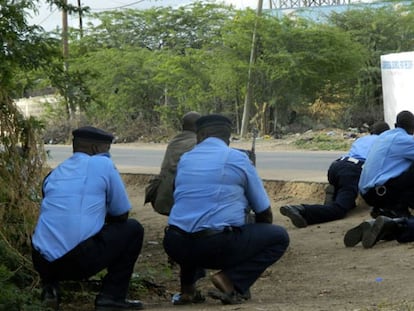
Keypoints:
(317, 272)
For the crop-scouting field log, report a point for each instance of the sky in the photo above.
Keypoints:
(50, 19)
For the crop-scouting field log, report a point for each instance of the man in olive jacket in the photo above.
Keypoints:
(181, 143)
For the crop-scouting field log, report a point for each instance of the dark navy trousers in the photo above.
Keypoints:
(242, 253)
(116, 247)
(344, 176)
(398, 195)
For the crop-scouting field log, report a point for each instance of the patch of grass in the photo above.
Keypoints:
(390, 306)
(323, 142)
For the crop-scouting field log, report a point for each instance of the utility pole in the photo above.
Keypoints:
(65, 35)
(65, 44)
(249, 89)
(80, 19)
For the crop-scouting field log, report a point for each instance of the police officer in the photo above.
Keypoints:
(207, 228)
(386, 180)
(386, 183)
(343, 176)
(83, 226)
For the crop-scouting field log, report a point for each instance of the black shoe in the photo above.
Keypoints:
(294, 213)
(246, 295)
(105, 303)
(355, 235)
(183, 299)
(383, 227)
(50, 297)
(233, 298)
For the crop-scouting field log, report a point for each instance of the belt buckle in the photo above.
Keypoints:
(380, 190)
(353, 160)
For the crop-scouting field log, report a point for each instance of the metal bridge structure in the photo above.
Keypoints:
(295, 4)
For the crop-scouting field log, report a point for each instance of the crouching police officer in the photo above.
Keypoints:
(83, 226)
(386, 178)
(207, 228)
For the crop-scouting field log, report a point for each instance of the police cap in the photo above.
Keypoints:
(213, 120)
(379, 127)
(93, 134)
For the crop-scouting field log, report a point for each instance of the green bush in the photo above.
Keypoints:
(21, 168)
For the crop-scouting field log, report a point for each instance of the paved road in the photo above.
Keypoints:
(273, 165)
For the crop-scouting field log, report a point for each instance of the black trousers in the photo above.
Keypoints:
(241, 253)
(115, 248)
(396, 195)
(344, 176)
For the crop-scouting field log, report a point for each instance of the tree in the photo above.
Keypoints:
(21, 151)
(170, 78)
(302, 59)
(296, 60)
(149, 67)
(191, 26)
(381, 31)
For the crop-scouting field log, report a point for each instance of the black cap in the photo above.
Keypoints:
(213, 120)
(379, 127)
(189, 120)
(93, 134)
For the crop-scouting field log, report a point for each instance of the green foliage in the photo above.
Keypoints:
(323, 142)
(21, 44)
(122, 94)
(16, 278)
(137, 71)
(21, 165)
(300, 59)
(24, 48)
(193, 26)
(388, 29)
(158, 60)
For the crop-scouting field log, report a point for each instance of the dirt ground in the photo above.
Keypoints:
(316, 273)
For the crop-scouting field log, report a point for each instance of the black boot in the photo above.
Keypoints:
(295, 213)
(50, 296)
(109, 303)
(384, 228)
(355, 235)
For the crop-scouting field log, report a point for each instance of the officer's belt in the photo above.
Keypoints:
(197, 234)
(352, 160)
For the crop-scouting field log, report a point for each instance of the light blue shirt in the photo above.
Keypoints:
(389, 157)
(214, 186)
(360, 147)
(77, 196)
